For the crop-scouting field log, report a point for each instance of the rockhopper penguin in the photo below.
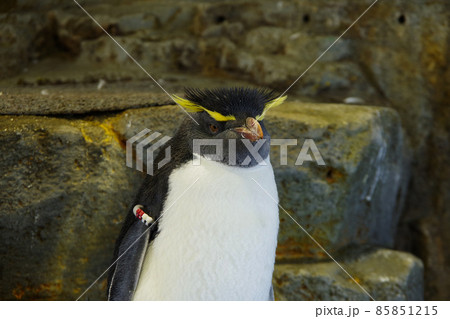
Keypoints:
(216, 238)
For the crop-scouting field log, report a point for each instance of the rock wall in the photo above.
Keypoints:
(395, 56)
(66, 188)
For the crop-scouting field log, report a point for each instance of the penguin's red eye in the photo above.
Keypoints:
(213, 128)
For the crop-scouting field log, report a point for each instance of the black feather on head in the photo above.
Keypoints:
(232, 101)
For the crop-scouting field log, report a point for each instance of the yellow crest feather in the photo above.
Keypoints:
(270, 105)
(193, 107)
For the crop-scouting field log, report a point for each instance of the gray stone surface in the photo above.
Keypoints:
(358, 196)
(79, 99)
(95, 96)
(384, 274)
(65, 189)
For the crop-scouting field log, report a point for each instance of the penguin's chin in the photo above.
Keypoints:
(252, 162)
(245, 158)
(236, 152)
(242, 157)
(245, 162)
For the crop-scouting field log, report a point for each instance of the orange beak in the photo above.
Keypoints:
(251, 131)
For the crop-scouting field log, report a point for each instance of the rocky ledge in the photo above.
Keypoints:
(66, 188)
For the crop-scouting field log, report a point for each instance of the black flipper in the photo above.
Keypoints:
(124, 275)
(132, 249)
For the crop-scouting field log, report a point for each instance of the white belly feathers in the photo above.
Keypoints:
(217, 237)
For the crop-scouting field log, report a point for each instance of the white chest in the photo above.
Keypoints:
(217, 237)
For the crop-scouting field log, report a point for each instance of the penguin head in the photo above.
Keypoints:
(230, 126)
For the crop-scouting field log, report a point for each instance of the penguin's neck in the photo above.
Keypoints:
(209, 163)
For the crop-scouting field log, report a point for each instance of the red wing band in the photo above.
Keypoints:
(141, 215)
